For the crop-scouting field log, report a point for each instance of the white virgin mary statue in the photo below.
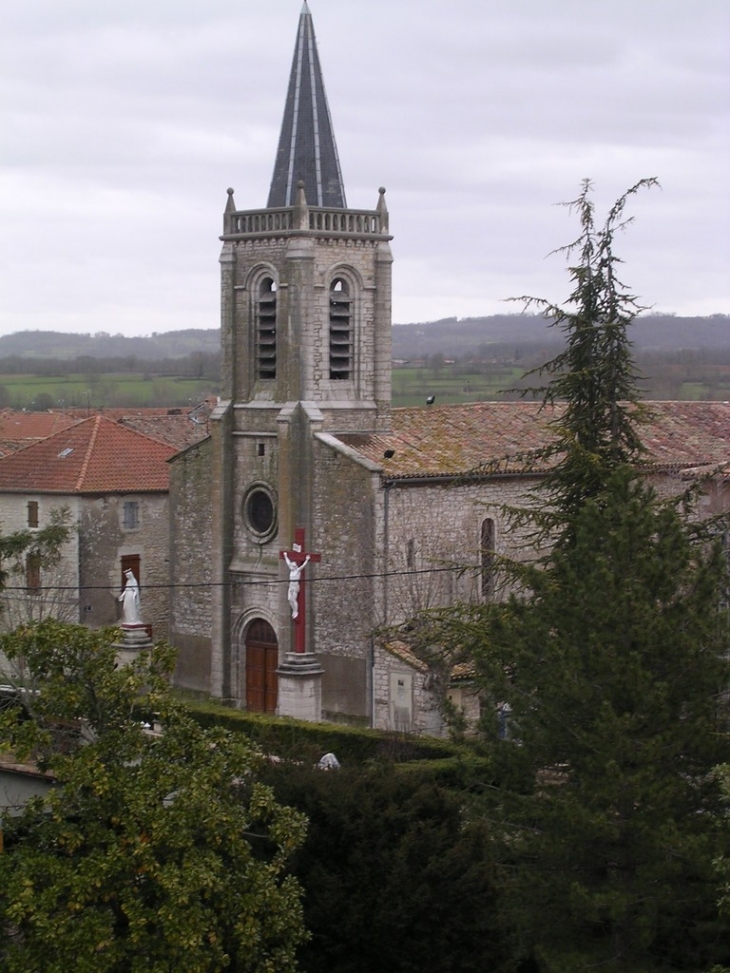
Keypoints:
(130, 600)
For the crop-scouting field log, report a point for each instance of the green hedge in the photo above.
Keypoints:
(298, 740)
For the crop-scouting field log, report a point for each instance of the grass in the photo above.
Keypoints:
(110, 390)
(411, 386)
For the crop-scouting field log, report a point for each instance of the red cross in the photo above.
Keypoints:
(299, 555)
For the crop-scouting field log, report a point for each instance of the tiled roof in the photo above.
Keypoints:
(8, 446)
(176, 427)
(118, 412)
(454, 440)
(96, 455)
(179, 431)
(401, 650)
(19, 428)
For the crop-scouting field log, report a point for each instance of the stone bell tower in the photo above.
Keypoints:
(306, 350)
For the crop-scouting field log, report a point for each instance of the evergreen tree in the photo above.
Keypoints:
(607, 664)
(592, 390)
(397, 874)
(612, 670)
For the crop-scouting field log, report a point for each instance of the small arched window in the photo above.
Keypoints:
(266, 329)
(486, 547)
(340, 330)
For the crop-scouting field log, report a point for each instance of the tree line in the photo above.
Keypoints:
(197, 364)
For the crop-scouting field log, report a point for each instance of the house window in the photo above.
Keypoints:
(486, 547)
(32, 513)
(340, 330)
(131, 515)
(33, 573)
(266, 329)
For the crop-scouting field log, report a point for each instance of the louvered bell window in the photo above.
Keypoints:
(266, 329)
(340, 330)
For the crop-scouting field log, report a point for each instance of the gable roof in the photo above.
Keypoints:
(458, 440)
(94, 456)
(307, 149)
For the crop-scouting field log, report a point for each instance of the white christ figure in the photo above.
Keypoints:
(295, 573)
(130, 600)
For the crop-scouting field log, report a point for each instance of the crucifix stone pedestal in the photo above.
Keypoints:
(300, 674)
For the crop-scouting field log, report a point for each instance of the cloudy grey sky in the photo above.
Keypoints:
(122, 125)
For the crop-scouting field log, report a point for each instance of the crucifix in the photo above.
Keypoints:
(296, 560)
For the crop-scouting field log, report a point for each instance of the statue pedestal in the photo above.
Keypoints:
(300, 687)
(134, 640)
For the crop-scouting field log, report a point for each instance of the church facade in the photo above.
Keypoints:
(313, 514)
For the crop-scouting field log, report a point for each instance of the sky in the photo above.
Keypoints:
(123, 124)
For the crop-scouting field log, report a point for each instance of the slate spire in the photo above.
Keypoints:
(307, 149)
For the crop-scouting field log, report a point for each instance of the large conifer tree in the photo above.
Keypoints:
(591, 387)
(609, 665)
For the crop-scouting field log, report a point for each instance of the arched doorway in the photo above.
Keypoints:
(262, 660)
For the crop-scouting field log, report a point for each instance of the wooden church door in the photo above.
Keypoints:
(262, 660)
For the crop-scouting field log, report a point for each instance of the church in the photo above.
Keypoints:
(314, 514)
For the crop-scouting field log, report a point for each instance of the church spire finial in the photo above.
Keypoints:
(307, 149)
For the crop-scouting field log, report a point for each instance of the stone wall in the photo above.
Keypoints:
(303, 268)
(85, 586)
(104, 540)
(432, 534)
(344, 515)
(190, 565)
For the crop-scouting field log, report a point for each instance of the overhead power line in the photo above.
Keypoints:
(450, 569)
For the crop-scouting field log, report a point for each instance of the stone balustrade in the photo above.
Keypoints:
(317, 219)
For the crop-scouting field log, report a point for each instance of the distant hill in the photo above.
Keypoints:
(54, 344)
(449, 336)
(460, 336)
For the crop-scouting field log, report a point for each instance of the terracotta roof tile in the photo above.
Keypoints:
(404, 652)
(454, 440)
(96, 455)
(19, 427)
(179, 431)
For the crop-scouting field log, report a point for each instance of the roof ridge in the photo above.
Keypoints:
(89, 451)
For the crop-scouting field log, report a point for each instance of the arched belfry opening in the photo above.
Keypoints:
(266, 329)
(340, 329)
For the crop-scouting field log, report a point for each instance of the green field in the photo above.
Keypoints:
(110, 390)
(490, 381)
(411, 386)
(487, 381)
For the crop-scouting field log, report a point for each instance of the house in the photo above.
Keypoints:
(114, 482)
(314, 513)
